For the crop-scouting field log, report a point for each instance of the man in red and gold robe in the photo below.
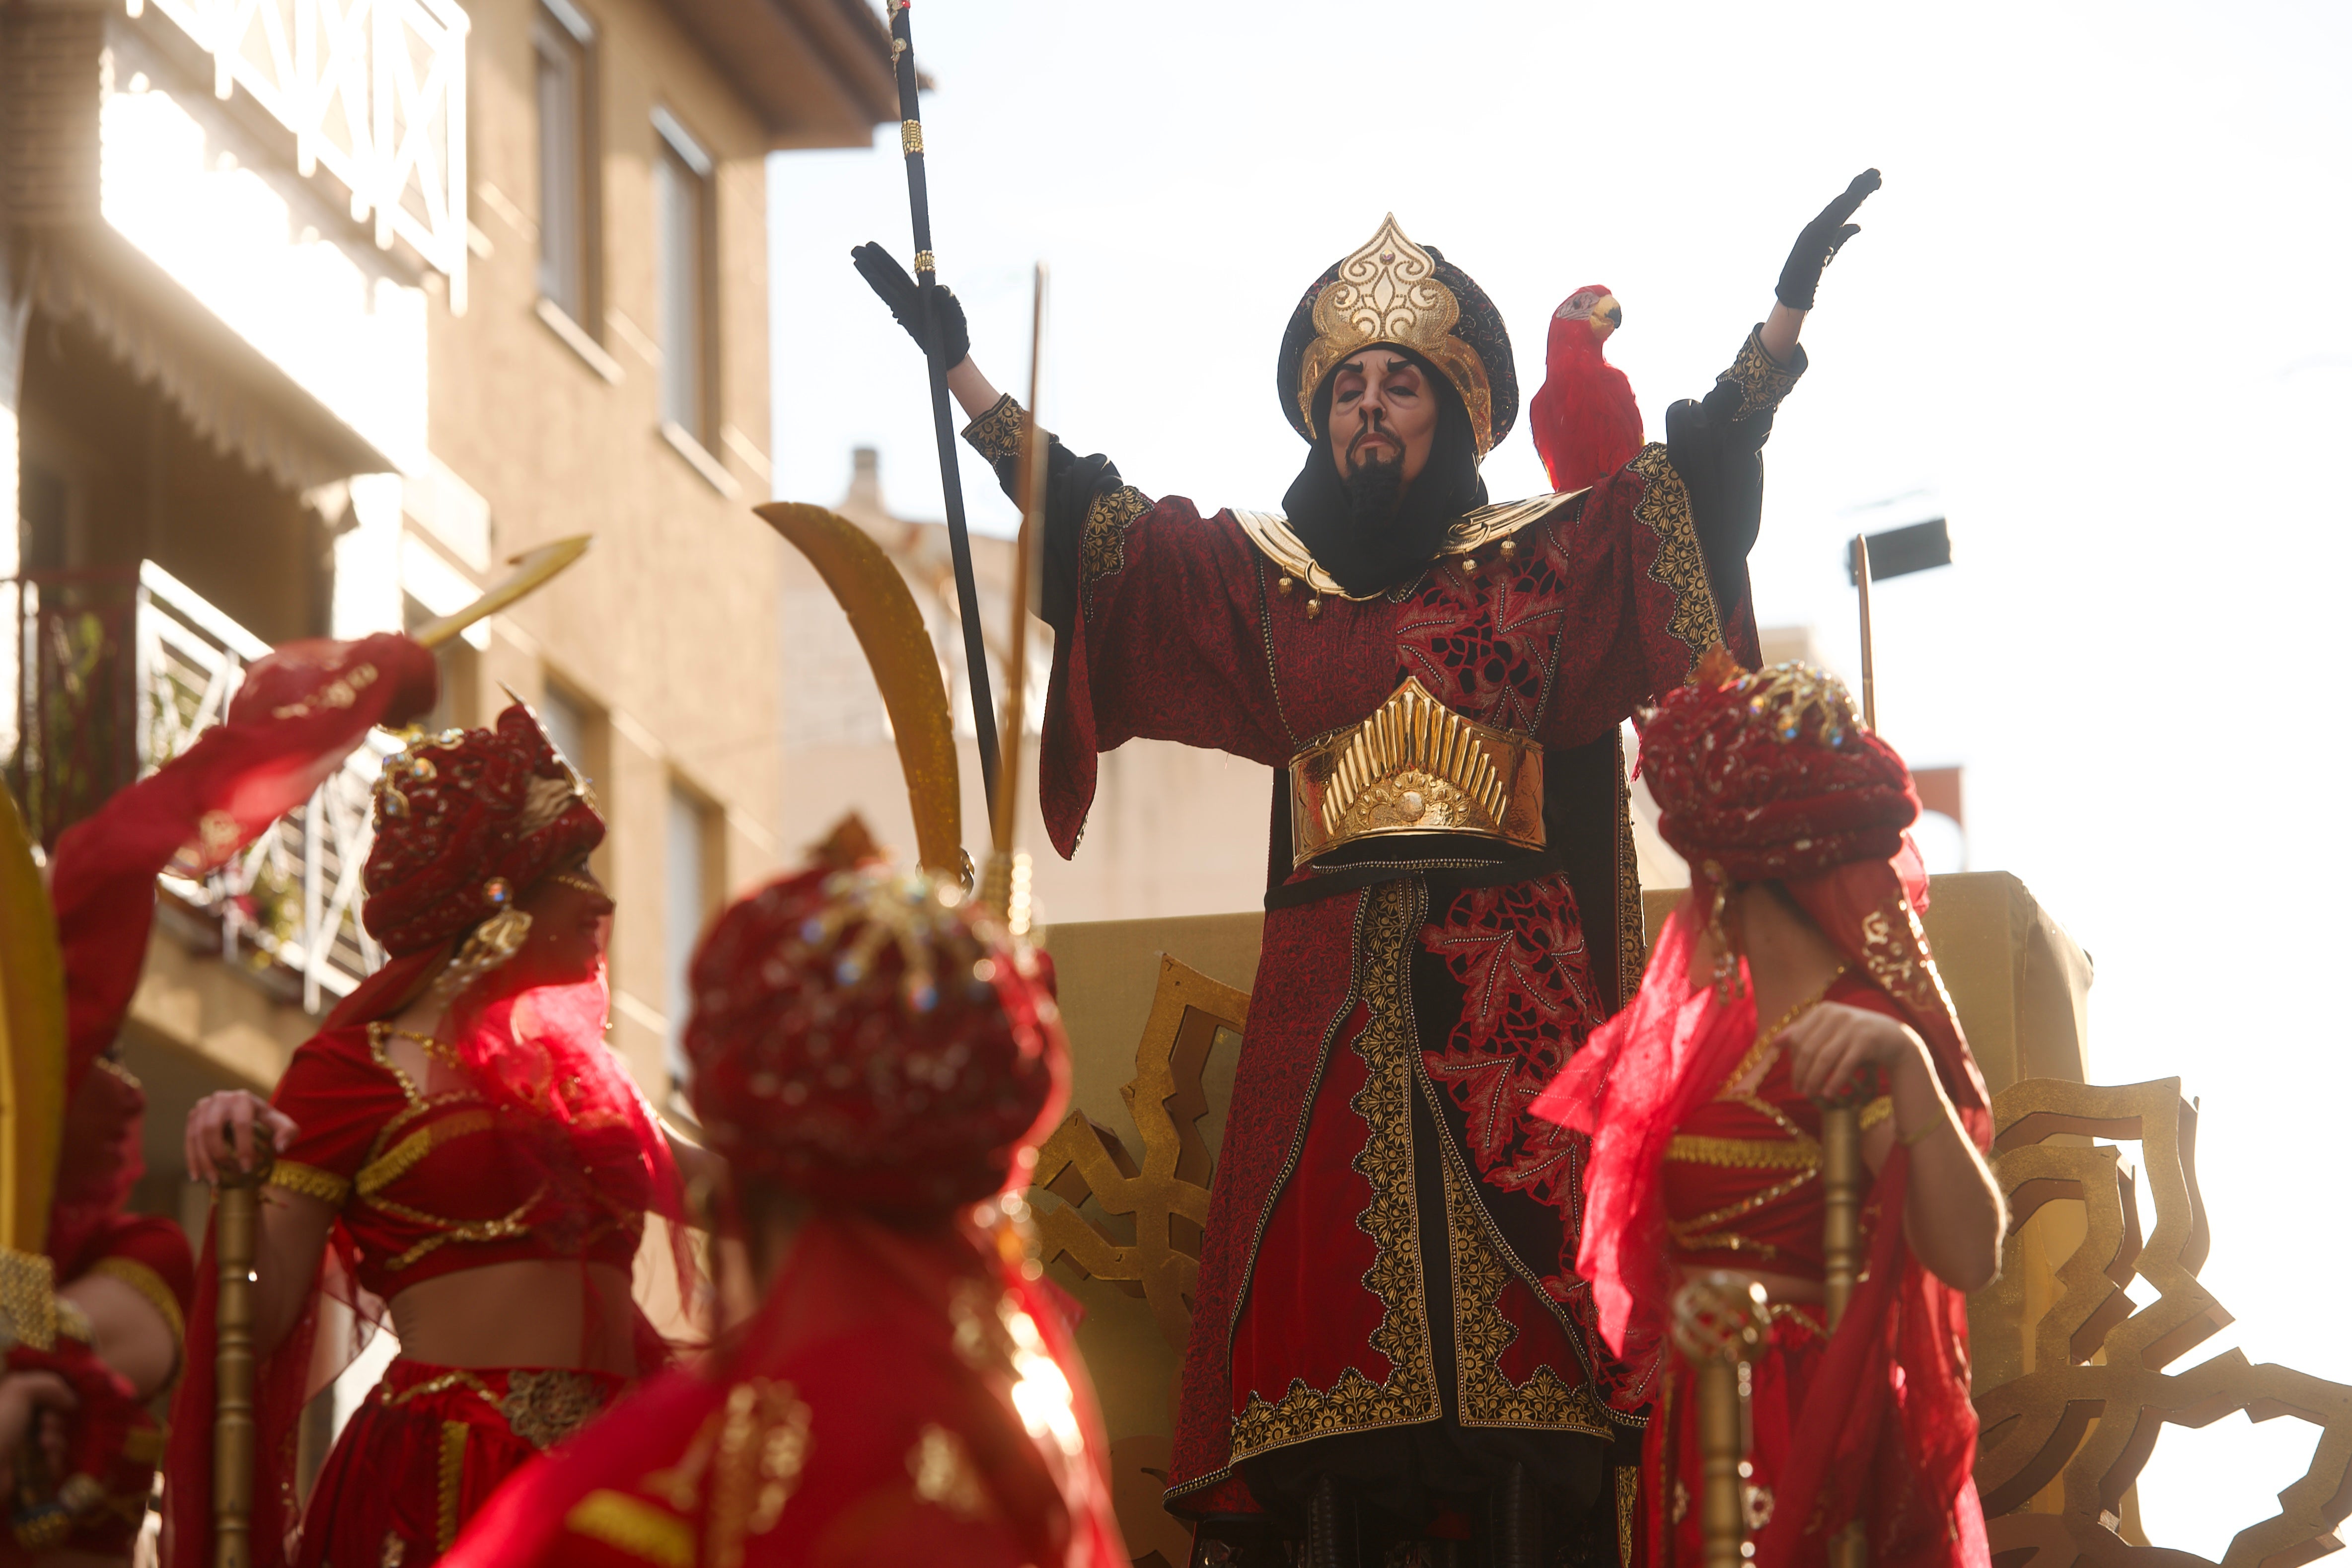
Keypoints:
(1388, 1338)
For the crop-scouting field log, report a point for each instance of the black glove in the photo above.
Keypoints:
(888, 279)
(1821, 239)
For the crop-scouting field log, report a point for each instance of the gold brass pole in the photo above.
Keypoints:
(1841, 1205)
(1841, 1182)
(237, 1241)
(1869, 670)
(1719, 1322)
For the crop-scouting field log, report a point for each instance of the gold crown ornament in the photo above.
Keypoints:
(1387, 291)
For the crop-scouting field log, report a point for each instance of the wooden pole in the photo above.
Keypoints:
(1869, 667)
(236, 1242)
(1003, 887)
(1843, 1178)
(1718, 1324)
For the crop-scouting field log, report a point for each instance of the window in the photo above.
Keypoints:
(569, 724)
(682, 248)
(686, 904)
(562, 41)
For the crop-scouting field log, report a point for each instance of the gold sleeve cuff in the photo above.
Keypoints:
(309, 1181)
(996, 435)
(1763, 379)
(634, 1526)
(149, 1284)
(1877, 1111)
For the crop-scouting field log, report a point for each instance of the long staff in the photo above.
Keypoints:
(1869, 663)
(1004, 887)
(918, 197)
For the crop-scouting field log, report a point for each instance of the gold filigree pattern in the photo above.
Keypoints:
(1388, 292)
(1391, 1052)
(1762, 382)
(1904, 969)
(1487, 1397)
(996, 435)
(406, 1155)
(544, 1408)
(450, 1493)
(1102, 544)
(309, 1181)
(1681, 565)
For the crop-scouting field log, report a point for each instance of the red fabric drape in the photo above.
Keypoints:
(1902, 1347)
(885, 1334)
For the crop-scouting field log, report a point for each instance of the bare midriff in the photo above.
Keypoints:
(527, 1313)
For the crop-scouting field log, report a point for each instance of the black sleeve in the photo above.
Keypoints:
(1072, 485)
(1716, 444)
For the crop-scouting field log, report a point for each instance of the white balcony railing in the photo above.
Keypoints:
(372, 90)
(287, 904)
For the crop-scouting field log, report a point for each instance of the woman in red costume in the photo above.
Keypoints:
(876, 1065)
(457, 1151)
(125, 1281)
(1795, 970)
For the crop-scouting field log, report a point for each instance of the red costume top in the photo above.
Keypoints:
(548, 1152)
(908, 1390)
(1389, 1255)
(1769, 777)
(298, 714)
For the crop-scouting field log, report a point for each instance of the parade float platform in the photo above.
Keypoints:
(2070, 1373)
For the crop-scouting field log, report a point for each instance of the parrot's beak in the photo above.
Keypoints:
(1607, 309)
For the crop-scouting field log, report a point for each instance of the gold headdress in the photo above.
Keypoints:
(1391, 290)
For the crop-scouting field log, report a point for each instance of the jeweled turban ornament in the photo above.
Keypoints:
(1391, 290)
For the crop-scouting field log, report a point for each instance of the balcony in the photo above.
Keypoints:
(118, 671)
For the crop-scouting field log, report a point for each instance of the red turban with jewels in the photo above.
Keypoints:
(1769, 776)
(861, 1035)
(465, 821)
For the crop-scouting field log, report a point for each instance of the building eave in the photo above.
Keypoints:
(816, 72)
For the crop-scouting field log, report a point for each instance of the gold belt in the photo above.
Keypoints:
(1415, 766)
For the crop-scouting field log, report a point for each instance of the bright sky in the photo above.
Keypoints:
(2098, 316)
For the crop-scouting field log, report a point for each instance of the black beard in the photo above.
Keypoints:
(1375, 489)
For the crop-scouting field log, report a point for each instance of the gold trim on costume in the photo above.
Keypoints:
(1680, 564)
(309, 1181)
(1102, 547)
(635, 1526)
(1481, 1333)
(1388, 292)
(1763, 381)
(1392, 1056)
(452, 1481)
(1415, 766)
(543, 1407)
(996, 435)
(407, 1155)
(1271, 533)
(150, 1285)
(910, 136)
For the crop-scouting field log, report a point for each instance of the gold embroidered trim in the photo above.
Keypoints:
(441, 1384)
(1629, 1501)
(309, 1181)
(150, 1285)
(452, 1480)
(1480, 1332)
(996, 435)
(1632, 934)
(1877, 1111)
(1762, 384)
(1102, 547)
(405, 1155)
(544, 1408)
(505, 1227)
(1391, 1058)
(1743, 1154)
(635, 1526)
(1681, 565)
(1271, 533)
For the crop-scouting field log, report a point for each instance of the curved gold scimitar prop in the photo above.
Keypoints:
(873, 593)
(32, 1042)
(532, 569)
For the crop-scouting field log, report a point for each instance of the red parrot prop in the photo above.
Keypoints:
(1585, 421)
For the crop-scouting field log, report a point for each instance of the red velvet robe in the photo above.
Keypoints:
(1404, 1020)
